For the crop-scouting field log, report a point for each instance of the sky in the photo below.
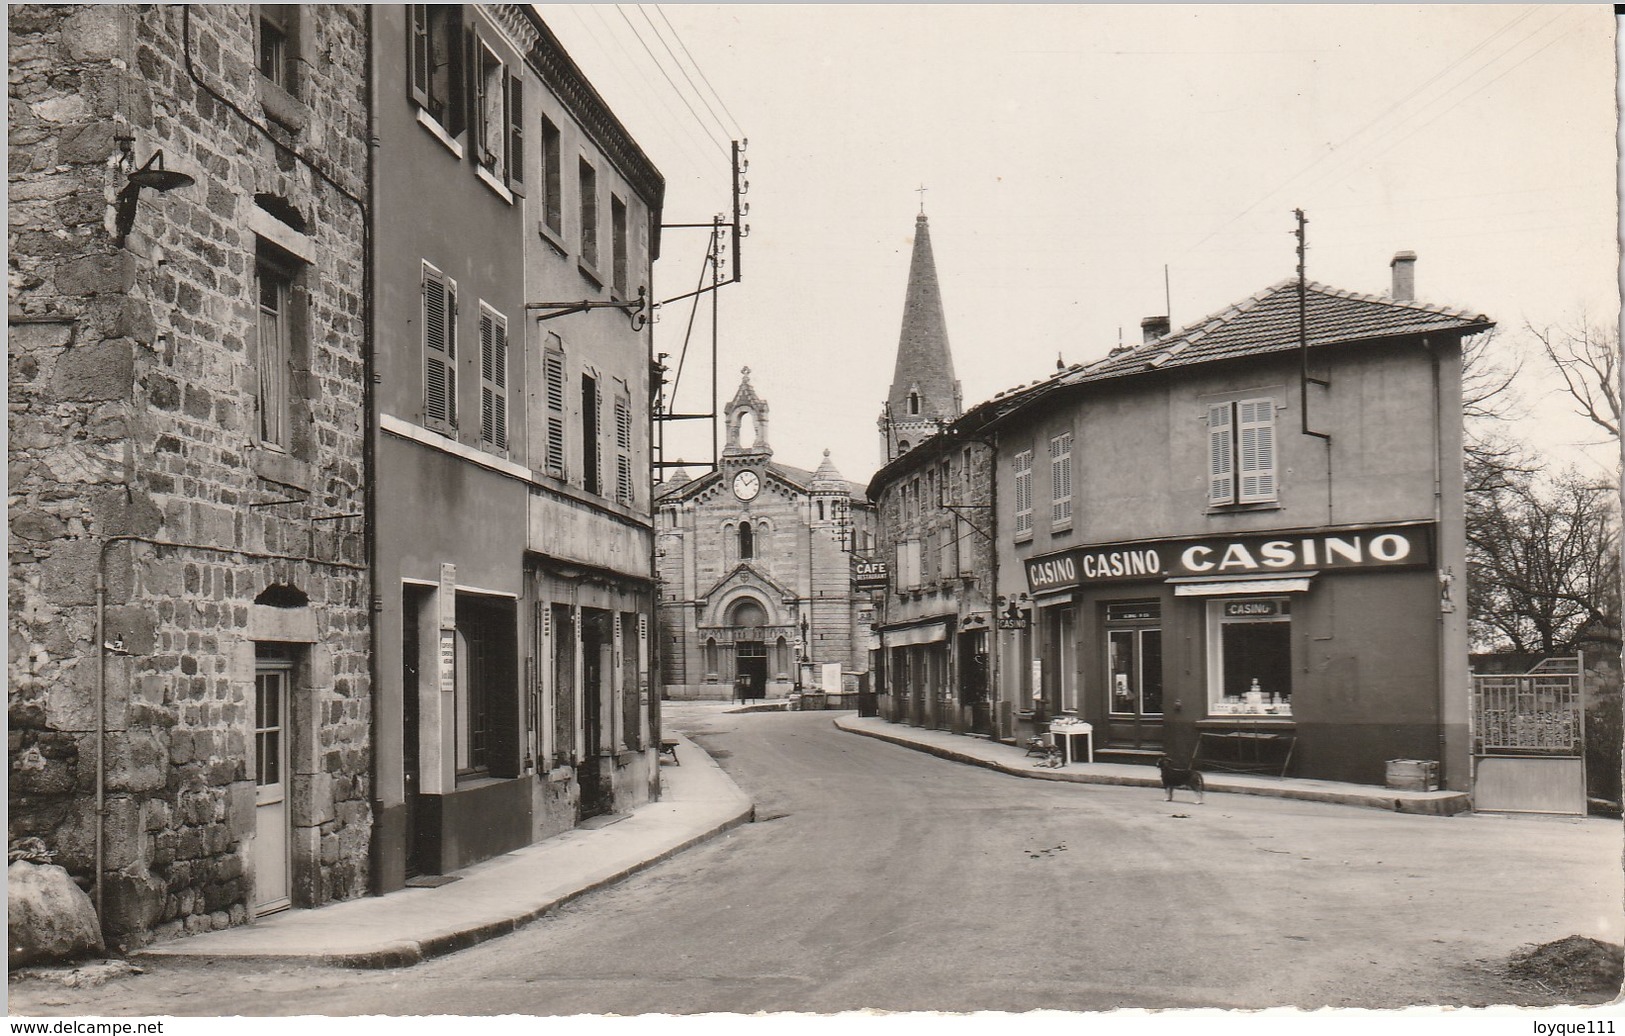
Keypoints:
(1086, 166)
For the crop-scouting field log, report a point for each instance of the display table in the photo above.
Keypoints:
(1255, 745)
(1063, 731)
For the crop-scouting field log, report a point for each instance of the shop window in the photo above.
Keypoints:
(552, 184)
(1060, 466)
(493, 378)
(439, 348)
(437, 64)
(1241, 452)
(487, 704)
(1134, 658)
(1023, 465)
(1250, 656)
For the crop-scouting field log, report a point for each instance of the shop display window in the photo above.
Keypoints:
(1250, 657)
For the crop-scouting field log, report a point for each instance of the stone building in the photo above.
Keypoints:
(188, 590)
(519, 224)
(934, 502)
(754, 561)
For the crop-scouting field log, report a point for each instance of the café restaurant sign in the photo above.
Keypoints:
(868, 575)
(1366, 547)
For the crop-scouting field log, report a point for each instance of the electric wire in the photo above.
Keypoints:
(688, 78)
(1415, 92)
(662, 70)
(738, 131)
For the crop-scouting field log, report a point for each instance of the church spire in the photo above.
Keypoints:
(924, 391)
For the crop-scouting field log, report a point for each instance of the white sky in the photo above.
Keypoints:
(1070, 152)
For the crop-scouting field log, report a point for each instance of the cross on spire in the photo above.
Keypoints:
(920, 190)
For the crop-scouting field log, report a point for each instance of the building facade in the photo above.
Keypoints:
(934, 500)
(1234, 550)
(189, 688)
(755, 563)
(514, 536)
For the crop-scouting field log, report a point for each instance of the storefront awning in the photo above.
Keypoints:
(914, 635)
(1225, 586)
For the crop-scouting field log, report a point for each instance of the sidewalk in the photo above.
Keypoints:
(1012, 759)
(698, 801)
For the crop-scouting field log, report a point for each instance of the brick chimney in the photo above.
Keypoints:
(1153, 328)
(1404, 267)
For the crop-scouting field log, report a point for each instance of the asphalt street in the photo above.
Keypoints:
(878, 877)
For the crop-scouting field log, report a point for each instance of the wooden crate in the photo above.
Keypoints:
(1413, 774)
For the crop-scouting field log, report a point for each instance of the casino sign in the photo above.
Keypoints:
(1408, 545)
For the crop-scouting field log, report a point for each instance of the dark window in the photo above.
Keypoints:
(617, 242)
(552, 189)
(437, 60)
(589, 435)
(747, 543)
(275, 274)
(278, 38)
(589, 213)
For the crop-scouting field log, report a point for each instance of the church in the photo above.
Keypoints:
(754, 562)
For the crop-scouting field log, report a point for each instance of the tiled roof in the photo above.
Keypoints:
(1268, 322)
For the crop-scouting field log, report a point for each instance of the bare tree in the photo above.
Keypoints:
(1587, 358)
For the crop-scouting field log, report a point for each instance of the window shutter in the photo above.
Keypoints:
(473, 90)
(439, 346)
(493, 379)
(1060, 457)
(516, 135)
(623, 450)
(1256, 427)
(1024, 491)
(417, 55)
(597, 432)
(553, 370)
(1221, 481)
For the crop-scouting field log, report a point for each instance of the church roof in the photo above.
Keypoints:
(798, 478)
(924, 363)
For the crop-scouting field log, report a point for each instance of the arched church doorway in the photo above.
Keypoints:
(747, 617)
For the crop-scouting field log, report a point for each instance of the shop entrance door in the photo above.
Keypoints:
(597, 796)
(973, 690)
(1134, 676)
(750, 657)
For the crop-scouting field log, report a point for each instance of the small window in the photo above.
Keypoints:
(1241, 452)
(913, 402)
(1024, 492)
(278, 25)
(439, 348)
(588, 178)
(436, 60)
(617, 243)
(490, 112)
(1060, 464)
(747, 542)
(552, 189)
(274, 273)
(493, 378)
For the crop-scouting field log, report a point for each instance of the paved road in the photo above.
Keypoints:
(878, 877)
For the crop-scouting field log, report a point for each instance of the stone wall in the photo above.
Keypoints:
(133, 386)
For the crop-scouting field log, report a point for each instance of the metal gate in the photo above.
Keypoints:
(1529, 739)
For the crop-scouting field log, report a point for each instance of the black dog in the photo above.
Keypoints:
(1175, 777)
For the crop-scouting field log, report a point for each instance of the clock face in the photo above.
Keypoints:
(747, 485)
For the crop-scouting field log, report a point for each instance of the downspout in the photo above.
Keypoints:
(1440, 670)
(369, 440)
(993, 577)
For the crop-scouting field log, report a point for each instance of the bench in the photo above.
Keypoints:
(668, 746)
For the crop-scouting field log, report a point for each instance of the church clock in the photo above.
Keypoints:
(746, 485)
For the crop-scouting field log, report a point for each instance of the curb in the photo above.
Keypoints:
(1441, 805)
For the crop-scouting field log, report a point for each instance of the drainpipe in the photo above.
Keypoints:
(369, 438)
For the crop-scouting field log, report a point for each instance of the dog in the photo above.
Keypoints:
(1178, 777)
(1051, 754)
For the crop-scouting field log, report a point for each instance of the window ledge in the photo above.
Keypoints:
(1056, 528)
(492, 182)
(282, 107)
(273, 465)
(1270, 505)
(439, 133)
(590, 272)
(548, 234)
(1022, 537)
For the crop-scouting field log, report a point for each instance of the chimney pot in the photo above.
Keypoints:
(1153, 328)
(1404, 267)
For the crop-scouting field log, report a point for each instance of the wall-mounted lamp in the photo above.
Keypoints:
(152, 175)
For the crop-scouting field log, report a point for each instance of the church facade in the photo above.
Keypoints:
(754, 562)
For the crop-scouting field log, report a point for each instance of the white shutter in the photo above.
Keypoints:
(1221, 480)
(553, 374)
(493, 378)
(439, 346)
(1060, 466)
(1024, 491)
(1255, 426)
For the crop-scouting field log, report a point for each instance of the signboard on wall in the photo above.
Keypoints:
(448, 596)
(869, 575)
(1336, 549)
(448, 662)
